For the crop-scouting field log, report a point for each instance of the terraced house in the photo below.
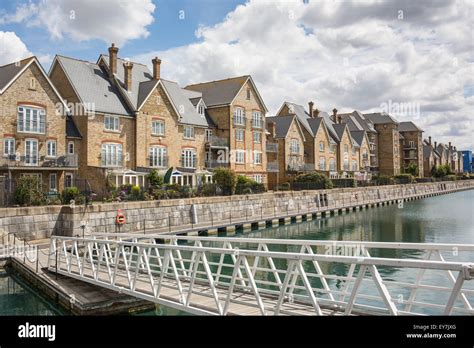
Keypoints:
(132, 121)
(237, 112)
(36, 136)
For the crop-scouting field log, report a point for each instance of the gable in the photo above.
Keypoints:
(254, 95)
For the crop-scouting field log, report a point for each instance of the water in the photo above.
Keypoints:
(441, 219)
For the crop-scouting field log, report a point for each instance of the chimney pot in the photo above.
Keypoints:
(113, 53)
(156, 68)
(435, 144)
(311, 105)
(334, 115)
(127, 67)
(429, 139)
(316, 113)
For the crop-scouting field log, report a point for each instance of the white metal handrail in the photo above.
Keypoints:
(247, 276)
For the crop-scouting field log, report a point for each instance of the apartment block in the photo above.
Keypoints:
(36, 136)
(411, 146)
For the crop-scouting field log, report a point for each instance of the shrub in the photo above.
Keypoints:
(208, 189)
(283, 187)
(383, 180)
(313, 181)
(28, 191)
(441, 171)
(246, 185)
(404, 178)
(412, 169)
(154, 179)
(72, 193)
(344, 182)
(450, 178)
(225, 180)
(135, 192)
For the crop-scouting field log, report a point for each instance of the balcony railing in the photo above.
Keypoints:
(14, 161)
(273, 167)
(216, 164)
(301, 167)
(160, 162)
(215, 141)
(240, 121)
(272, 147)
(257, 124)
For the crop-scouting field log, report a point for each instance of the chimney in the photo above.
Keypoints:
(113, 52)
(311, 105)
(334, 116)
(127, 67)
(450, 145)
(156, 68)
(435, 144)
(429, 140)
(316, 113)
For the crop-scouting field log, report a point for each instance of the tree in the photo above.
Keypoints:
(412, 169)
(225, 179)
(28, 191)
(154, 179)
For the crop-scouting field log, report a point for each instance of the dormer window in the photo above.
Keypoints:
(201, 108)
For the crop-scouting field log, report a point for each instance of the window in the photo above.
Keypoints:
(8, 146)
(332, 164)
(240, 156)
(257, 119)
(158, 156)
(353, 151)
(346, 148)
(51, 148)
(53, 182)
(354, 165)
(294, 146)
(201, 109)
(332, 148)
(68, 180)
(239, 134)
(70, 148)
(257, 137)
(31, 120)
(31, 152)
(188, 132)
(411, 144)
(188, 158)
(208, 134)
(239, 116)
(158, 128)
(346, 164)
(249, 94)
(321, 146)
(33, 83)
(322, 163)
(111, 155)
(257, 157)
(112, 123)
(258, 178)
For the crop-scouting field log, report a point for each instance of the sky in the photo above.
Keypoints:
(413, 59)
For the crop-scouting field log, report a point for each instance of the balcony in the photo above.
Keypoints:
(217, 142)
(40, 162)
(240, 121)
(273, 167)
(272, 147)
(216, 164)
(301, 167)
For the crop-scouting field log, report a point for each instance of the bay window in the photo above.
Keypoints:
(112, 155)
(31, 120)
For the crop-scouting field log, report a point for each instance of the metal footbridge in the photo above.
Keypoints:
(253, 276)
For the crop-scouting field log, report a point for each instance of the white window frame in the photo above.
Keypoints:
(257, 119)
(239, 135)
(70, 145)
(189, 158)
(258, 178)
(112, 155)
(294, 146)
(411, 143)
(239, 116)
(322, 163)
(9, 147)
(187, 130)
(51, 149)
(50, 181)
(321, 146)
(31, 120)
(257, 157)
(346, 148)
(332, 164)
(200, 108)
(208, 134)
(158, 156)
(158, 127)
(240, 156)
(28, 154)
(257, 137)
(112, 123)
(354, 165)
(66, 176)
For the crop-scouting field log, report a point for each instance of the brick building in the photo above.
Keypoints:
(411, 146)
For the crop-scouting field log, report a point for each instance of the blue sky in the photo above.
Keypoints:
(348, 54)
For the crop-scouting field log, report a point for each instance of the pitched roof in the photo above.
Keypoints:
(339, 128)
(221, 92)
(358, 136)
(92, 84)
(71, 129)
(9, 71)
(380, 118)
(357, 122)
(282, 124)
(315, 123)
(408, 127)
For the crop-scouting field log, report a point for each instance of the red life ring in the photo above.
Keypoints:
(120, 219)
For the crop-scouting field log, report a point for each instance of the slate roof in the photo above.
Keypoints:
(282, 124)
(380, 118)
(315, 123)
(220, 92)
(358, 136)
(408, 127)
(8, 72)
(71, 129)
(92, 84)
(357, 122)
(339, 129)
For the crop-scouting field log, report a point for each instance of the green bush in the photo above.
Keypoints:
(412, 169)
(404, 178)
(154, 179)
(450, 178)
(225, 180)
(72, 193)
(246, 185)
(135, 192)
(383, 180)
(344, 182)
(313, 180)
(28, 191)
(208, 189)
(441, 171)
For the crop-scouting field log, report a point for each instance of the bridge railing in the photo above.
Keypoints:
(214, 275)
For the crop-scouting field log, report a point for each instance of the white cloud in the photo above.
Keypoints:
(349, 55)
(12, 48)
(109, 20)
